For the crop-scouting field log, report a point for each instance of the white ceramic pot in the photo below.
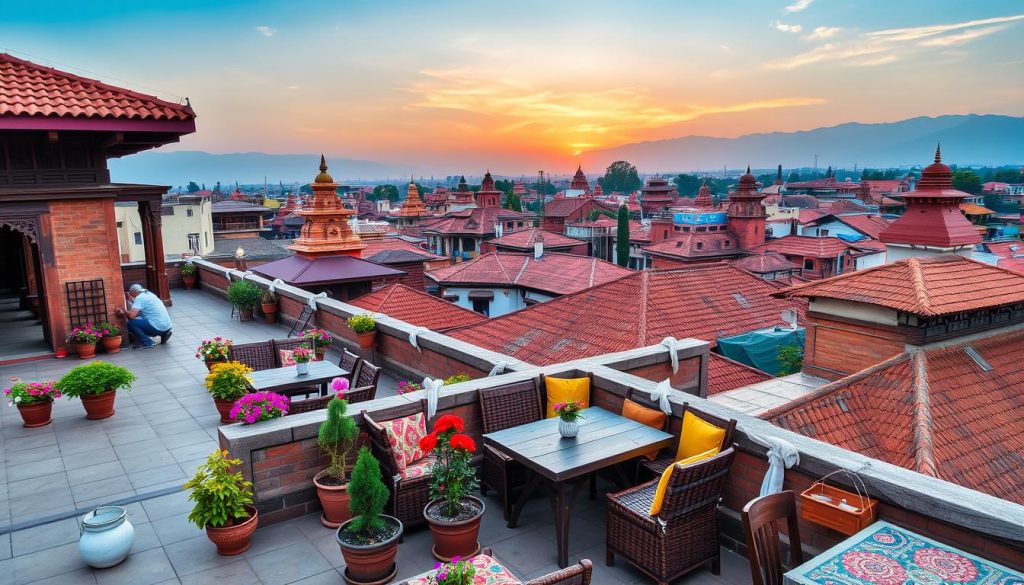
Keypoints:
(568, 428)
(106, 537)
(302, 368)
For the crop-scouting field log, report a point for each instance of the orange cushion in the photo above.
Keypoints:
(645, 416)
(565, 389)
(659, 493)
(697, 436)
(285, 357)
(405, 434)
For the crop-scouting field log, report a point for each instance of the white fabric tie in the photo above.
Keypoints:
(313, 299)
(781, 455)
(499, 368)
(414, 334)
(247, 274)
(433, 390)
(661, 393)
(670, 343)
(273, 285)
(227, 274)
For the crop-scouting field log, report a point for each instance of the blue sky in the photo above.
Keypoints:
(528, 82)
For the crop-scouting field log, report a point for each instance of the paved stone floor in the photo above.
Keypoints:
(22, 332)
(161, 431)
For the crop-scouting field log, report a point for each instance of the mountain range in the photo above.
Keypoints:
(970, 139)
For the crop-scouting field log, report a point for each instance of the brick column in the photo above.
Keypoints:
(152, 238)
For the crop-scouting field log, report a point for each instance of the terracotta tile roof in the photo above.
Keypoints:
(31, 90)
(1014, 264)
(809, 215)
(975, 209)
(702, 302)
(725, 374)
(807, 246)
(764, 263)
(555, 272)
(935, 411)
(564, 207)
(390, 250)
(1006, 249)
(839, 207)
(525, 239)
(697, 245)
(929, 286)
(417, 308)
(801, 201)
(473, 221)
(868, 224)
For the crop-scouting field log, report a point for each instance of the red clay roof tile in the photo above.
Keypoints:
(417, 308)
(555, 272)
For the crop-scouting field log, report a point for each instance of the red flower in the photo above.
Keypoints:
(428, 442)
(460, 441)
(448, 422)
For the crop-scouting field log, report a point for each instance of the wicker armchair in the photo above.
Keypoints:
(657, 467)
(503, 407)
(309, 404)
(289, 344)
(684, 534)
(365, 385)
(350, 363)
(258, 356)
(408, 495)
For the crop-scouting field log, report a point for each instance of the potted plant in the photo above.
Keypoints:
(302, 356)
(456, 378)
(568, 417)
(259, 406)
(457, 572)
(407, 386)
(189, 274)
(454, 515)
(369, 541)
(320, 339)
(223, 504)
(84, 338)
(268, 305)
(213, 351)
(110, 337)
(365, 326)
(96, 384)
(337, 435)
(244, 296)
(226, 383)
(34, 401)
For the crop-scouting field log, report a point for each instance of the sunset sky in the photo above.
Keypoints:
(516, 85)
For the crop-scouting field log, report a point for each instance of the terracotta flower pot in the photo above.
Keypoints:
(211, 363)
(85, 350)
(224, 408)
(320, 353)
(269, 312)
(334, 500)
(454, 538)
(245, 314)
(371, 563)
(36, 414)
(111, 344)
(100, 405)
(189, 282)
(367, 339)
(234, 539)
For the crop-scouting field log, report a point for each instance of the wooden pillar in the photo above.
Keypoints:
(153, 240)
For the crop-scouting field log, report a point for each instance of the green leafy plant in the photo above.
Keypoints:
(338, 433)
(94, 378)
(108, 329)
(457, 572)
(362, 323)
(228, 380)
(244, 295)
(569, 411)
(189, 269)
(220, 494)
(368, 495)
(452, 474)
(456, 378)
(268, 298)
(791, 359)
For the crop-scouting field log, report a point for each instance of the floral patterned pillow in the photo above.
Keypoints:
(285, 357)
(405, 434)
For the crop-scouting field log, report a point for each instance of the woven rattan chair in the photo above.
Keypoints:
(365, 385)
(657, 467)
(762, 518)
(350, 363)
(503, 407)
(258, 356)
(289, 344)
(309, 404)
(578, 574)
(684, 534)
(408, 495)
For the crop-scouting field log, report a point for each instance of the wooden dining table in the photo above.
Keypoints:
(287, 380)
(604, 440)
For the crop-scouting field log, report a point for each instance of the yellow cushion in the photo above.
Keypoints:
(697, 436)
(565, 389)
(645, 416)
(659, 494)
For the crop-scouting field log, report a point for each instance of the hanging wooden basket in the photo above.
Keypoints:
(838, 509)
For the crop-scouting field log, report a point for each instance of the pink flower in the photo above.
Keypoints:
(339, 386)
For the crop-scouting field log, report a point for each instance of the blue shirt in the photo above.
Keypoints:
(152, 309)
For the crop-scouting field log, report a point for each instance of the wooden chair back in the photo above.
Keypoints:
(258, 356)
(695, 490)
(511, 405)
(369, 375)
(380, 444)
(287, 345)
(762, 518)
(350, 363)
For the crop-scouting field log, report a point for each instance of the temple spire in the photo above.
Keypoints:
(938, 152)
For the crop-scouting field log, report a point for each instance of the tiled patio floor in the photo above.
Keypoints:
(162, 430)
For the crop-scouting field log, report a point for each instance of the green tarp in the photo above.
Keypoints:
(760, 349)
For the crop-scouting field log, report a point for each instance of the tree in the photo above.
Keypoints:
(794, 177)
(307, 188)
(687, 185)
(622, 236)
(621, 177)
(596, 213)
(216, 188)
(389, 192)
(967, 181)
(791, 359)
(503, 186)
(192, 187)
(514, 202)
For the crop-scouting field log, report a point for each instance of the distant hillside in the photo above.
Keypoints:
(178, 168)
(966, 140)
